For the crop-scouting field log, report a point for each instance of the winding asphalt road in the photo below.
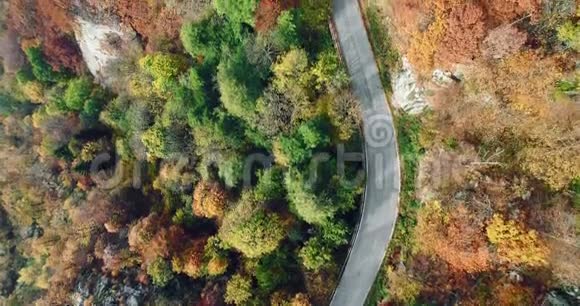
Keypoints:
(380, 207)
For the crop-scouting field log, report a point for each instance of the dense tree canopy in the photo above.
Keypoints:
(250, 229)
(238, 290)
(157, 174)
(237, 11)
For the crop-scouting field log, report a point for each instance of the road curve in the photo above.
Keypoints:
(381, 199)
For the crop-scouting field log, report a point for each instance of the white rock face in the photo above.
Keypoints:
(407, 95)
(101, 45)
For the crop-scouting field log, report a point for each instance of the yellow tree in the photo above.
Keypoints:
(454, 236)
(402, 287)
(190, 261)
(209, 200)
(514, 244)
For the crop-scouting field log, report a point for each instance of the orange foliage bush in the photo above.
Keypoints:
(455, 237)
(300, 299)
(444, 5)
(151, 238)
(209, 200)
(528, 73)
(438, 278)
(511, 294)
(319, 285)
(21, 17)
(408, 15)
(142, 233)
(217, 266)
(464, 32)
(455, 29)
(425, 44)
(266, 14)
(159, 22)
(190, 261)
(508, 10)
(98, 209)
(138, 14)
(62, 52)
(56, 13)
(51, 22)
(268, 11)
(503, 41)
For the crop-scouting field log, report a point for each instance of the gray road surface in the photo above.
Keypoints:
(381, 200)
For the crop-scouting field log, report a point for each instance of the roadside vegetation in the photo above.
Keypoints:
(142, 192)
(386, 55)
(489, 204)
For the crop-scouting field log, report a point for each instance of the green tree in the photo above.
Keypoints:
(291, 76)
(335, 233)
(238, 290)
(328, 72)
(272, 271)
(270, 184)
(55, 99)
(216, 256)
(231, 169)
(316, 13)
(77, 93)
(91, 110)
(238, 11)
(9, 105)
(203, 39)
(114, 114)
(162, 141)
(315, 254)
(289, 150)
(250, 229)
(402, 287)
(275, 113)
(160, 272)
(299, 147)
(240, 85)
(235, 96)
(193, 82)
(40, 68)
(345, 114)
(575, 191)
(315, 133)
(223, 133)
(164, 68)
(285, 35)
(305, 203)
(344, 195)
(163, 65)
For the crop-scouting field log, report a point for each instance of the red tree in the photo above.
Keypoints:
(465, 31)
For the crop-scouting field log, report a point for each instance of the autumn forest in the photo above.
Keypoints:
(191, 152)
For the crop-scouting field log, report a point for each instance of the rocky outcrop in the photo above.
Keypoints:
(96, 289)
(407, 94)
(102, 44)
(413, 97)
